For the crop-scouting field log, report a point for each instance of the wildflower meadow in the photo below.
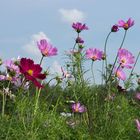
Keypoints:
(36, 105)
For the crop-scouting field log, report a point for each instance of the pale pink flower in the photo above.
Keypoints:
(2, 77)
(65, 74)
(125, 58)
(10, 65)
(120, 74)
(137, 96)
(138, 124)
(126, 25)
(19, 82)
(78, 108)
(79, 27)
(94, 54)
(46, 48)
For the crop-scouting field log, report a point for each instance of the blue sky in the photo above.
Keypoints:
(25, 21)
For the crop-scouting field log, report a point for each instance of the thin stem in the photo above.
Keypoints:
(116, 57)
(105, 46)
(75, 42)
(3, 104)
(41, 60)
(74, 46)
(134, 65)
(92, 72)
(36, 106)
(4, 99)
(37, 100)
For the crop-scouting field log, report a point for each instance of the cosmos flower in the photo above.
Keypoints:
(137, 96)
(94, 54)
(115, 28)
(46, 48)
(126, 25)
(65, 74)
(19, 82)
(79, 40)
(79, 27)
(119, 73)
(10, 65)
(125, 58)
(31, 71)
(78, 108)
(138, 124)
(2, 77)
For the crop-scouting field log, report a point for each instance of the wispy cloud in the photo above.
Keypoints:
(71, 15)
(31, 47)
(56, 68)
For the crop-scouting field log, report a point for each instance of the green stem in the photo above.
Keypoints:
(105, 46)
(36, 107)
(41, 60)
(75, 42)
(4, 100)
(116, 57)
(134, 66)
(74, 46)
(37, 100)
(92, 72)
(3, 104)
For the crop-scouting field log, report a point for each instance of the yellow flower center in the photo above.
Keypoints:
(123, 61)
(94, 57)
(118, 74)
(77, 108)
(126, 25)
(45, 52)
(30, 72)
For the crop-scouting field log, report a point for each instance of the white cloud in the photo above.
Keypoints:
(31, 47)
(72, 15)
(56, 68)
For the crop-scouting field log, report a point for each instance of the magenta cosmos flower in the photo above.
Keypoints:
(31, 71)
(119, 73)
(115, 28)
(94, 54)
(79, 40)
(138, 124)
(126, 25)
(46, 48)
(78, 108)
(79, 27)
(125, 58)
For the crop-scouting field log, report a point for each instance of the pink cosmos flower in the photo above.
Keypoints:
(94, 54)
(79, 27)
(137, 96)
(78, 108)
(138, 124)
(126, 25)
(125, 58)
(10, 65)
(120, 74)
(46, 48)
